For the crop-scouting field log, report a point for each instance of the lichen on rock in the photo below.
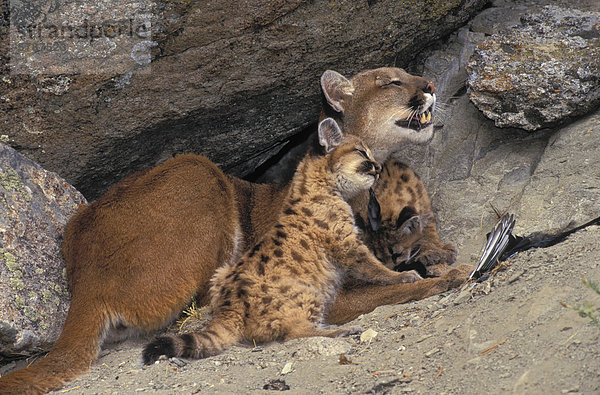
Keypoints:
(35, 206)
(540, 73)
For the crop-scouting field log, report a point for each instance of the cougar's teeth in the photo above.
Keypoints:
(423, 118)
(428, 116)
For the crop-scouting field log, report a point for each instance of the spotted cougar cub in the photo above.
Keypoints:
(282, 288)
(402, 231)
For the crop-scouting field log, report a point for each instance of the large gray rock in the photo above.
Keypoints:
(541, 73)
(34, 298)
(565, 186)
(232, 81)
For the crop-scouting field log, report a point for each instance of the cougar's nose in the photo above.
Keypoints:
(429, 88)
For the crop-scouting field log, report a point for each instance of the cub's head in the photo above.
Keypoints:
(349, 160)
(385, 107)
(394, 240)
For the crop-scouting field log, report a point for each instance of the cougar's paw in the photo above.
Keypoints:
(460, 273)
(433, 254)
(437, 270)
(453, 278)
(409, 277)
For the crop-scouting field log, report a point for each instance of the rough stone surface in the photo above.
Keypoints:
(447, 66)
(565, 186)
(540, 73)
(231, 82)
(34, 208)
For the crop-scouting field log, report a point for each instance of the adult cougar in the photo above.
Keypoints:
(137, 255)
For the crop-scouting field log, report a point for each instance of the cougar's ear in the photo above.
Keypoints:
(330, 134)
(374, 211)
(336, 88)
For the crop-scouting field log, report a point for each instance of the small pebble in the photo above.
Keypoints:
(287, 368)
(368, 335)
(463, 296)
(178, 362)
(516, 276)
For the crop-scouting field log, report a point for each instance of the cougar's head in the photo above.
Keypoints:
(385, 107)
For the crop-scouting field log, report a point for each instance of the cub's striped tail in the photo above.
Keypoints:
(219, 335)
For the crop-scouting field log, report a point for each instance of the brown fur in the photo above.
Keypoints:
(282, 288)
(138, 254)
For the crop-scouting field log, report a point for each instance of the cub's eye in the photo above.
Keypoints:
(363, 153)
(397, 83)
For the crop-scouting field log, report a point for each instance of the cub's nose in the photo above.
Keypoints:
(371, 167)
(377, 167)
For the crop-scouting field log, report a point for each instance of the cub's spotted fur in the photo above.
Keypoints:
(399, 223)
(282, 288)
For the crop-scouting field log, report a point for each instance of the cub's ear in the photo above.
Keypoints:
(330, 134)
(336, 88)
(374, 211)
(407, 214)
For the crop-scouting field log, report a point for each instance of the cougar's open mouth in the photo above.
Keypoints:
(417, 121)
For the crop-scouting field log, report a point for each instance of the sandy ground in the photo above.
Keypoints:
(508, 334)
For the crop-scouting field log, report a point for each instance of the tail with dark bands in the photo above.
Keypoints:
(218, 336)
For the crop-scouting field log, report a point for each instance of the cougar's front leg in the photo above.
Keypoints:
(361, 298)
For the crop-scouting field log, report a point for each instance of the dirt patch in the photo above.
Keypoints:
(508, 334)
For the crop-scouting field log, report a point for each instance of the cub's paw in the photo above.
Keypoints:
(433, 254)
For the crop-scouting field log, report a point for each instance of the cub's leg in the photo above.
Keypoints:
(363, 265)
(432, 250)
(308, 329)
